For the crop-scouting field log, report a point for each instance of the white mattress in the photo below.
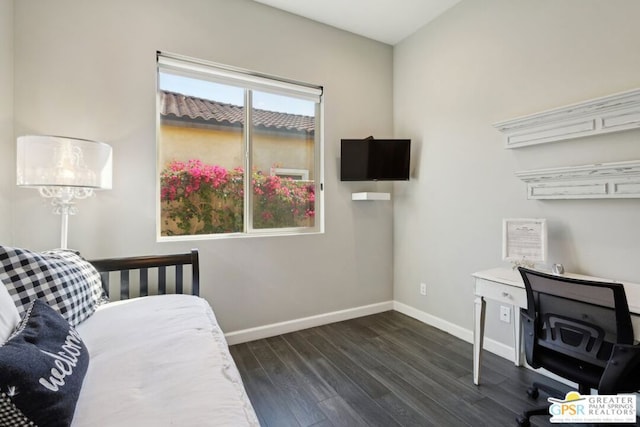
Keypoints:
(159, 361)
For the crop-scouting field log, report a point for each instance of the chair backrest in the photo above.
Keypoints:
(582, 319)
(155, 274)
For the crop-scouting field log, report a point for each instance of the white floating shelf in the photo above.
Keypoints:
(370, 196)
(613, 113)
(599, 181)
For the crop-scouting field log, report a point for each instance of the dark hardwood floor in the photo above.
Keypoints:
(381, 370)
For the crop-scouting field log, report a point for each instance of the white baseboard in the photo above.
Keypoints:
(274, 329)
(279, 328)
(493, 346)
(453, 329)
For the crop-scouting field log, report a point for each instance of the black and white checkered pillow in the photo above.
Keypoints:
(63, 279)
(10, 415)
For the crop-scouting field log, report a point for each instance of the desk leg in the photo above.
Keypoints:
(517, 336)
(478, 337)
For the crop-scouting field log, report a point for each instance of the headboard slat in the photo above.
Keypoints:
(144, 264)
(124, 284)
(162, 280)
(178, 279)
(144, 282)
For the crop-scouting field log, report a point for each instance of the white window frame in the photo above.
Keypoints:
(219, 73)
(300, 174)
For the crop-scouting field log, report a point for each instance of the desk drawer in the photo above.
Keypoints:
(501, 292)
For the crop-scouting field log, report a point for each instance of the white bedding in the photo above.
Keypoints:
(159, 361)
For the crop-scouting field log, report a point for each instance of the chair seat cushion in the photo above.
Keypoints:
(569, 368)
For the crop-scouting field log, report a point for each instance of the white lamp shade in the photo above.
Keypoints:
(54, 161)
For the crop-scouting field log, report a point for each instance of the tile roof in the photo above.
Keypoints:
(187, 107)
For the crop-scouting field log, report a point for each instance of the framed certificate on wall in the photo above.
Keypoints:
(524, 240)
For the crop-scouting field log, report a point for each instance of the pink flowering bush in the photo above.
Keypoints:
(282, 202)
(205, 199)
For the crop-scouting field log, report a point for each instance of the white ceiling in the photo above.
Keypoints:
(387, 21)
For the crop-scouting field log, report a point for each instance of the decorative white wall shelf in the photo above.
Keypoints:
(370, 196)
(613, 113)
(603, 180)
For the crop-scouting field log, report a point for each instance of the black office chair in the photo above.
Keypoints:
(580, 330)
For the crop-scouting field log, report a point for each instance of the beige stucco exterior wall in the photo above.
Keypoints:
(224, 148)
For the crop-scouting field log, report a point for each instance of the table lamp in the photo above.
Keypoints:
(63, 169)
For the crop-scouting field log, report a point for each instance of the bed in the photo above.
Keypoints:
(156, 355)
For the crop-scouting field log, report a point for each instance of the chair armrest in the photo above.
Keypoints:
(622, 373)
(528, 333)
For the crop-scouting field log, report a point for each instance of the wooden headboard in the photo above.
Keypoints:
(167, 271)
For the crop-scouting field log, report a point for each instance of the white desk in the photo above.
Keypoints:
(505, 286)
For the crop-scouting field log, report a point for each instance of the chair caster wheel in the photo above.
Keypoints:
(533, 392)
(523, 422)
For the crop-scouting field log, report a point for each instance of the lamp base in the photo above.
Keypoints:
(61, 200)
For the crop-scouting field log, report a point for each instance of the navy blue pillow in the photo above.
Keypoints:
(42, 366)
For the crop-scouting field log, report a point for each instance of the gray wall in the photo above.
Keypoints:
(6, 118)
(483, 62)
(87, 69)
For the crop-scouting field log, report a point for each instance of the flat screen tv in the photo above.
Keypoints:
(373, 159)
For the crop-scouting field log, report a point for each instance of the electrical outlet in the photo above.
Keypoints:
(423, 288)
(505, 314)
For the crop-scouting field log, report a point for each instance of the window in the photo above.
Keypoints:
(238, 152)
(299, 174)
